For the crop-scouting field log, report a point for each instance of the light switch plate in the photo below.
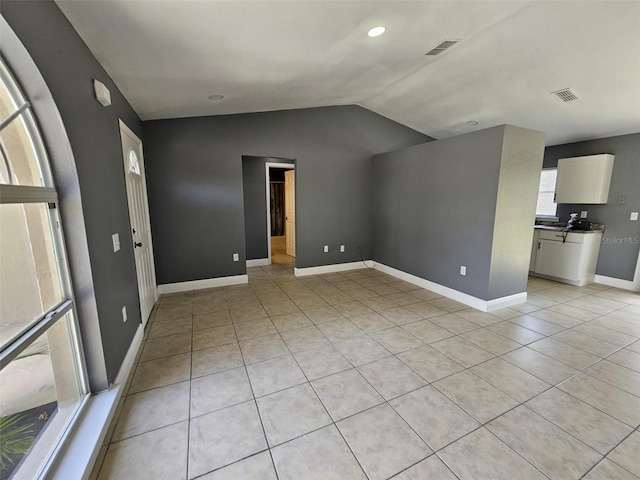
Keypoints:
(326, 248)
(342, 248)
(235, 257)
(124, 314)
(115, 238)
(634, 216)
(583, 214)
(463, 270)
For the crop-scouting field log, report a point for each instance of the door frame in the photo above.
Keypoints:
(268, 165)
(125, 129)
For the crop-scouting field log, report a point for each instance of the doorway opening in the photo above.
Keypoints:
(281, 231)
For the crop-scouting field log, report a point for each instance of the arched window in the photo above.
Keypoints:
(42, 377)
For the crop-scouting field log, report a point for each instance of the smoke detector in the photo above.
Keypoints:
(442, 46)
(566, 95)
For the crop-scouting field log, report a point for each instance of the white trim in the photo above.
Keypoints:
(615, 282)
(267, 166)
(200, 284)
(130, 357)
(477, 303)
(78, 455)
(258, 262)
(336, 267)
(504, 302)
(636, 276)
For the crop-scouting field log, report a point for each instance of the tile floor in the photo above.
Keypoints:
(359, 375)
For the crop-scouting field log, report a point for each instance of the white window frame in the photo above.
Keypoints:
(544, 216)
(43, 455)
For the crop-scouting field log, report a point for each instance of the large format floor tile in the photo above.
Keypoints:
(215, 439)
(482, 456)
(382, 442)
(556, 453)
(433, 416)
(331, 376)
(153, 409)
(320, 455)
(476, 396)
(164, 452)
(595, 428)
(346, 393)
(256, 467)
(291, 413)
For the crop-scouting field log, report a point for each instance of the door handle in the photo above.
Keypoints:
(137, 244)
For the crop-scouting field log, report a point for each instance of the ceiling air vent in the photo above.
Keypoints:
(438, 49)
(566, 95)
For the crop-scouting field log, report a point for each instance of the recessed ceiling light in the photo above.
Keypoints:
(216, 98)
(472, 122)
(376, 31)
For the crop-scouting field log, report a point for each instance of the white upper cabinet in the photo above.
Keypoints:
(584, 179)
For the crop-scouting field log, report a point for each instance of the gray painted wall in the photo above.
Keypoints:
(194, 177)
(617, 260)
(522, 153)
(254, 186)
(436, 209)
(68, 68)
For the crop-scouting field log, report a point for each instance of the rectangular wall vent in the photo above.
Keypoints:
(566, 95)
(442, 46)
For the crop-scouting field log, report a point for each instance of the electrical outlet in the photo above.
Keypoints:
(124, 314)
(342, 248)
(235, 257)
(583, 214)
(115, 238)
(326, 249)
(634, 216)
(463, 270)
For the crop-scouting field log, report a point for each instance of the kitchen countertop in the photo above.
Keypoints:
(595, 228)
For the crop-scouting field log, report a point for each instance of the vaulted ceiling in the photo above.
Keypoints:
(169, 57)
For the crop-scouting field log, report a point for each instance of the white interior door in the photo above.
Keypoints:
(290, 211)
(139, 217)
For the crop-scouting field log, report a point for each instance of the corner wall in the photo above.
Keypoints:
(444, 204)
(522, 153)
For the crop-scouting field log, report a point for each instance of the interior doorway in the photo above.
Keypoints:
(280, 179)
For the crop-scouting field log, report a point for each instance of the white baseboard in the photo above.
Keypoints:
(336, 267)
(477, 303)
(615, 282)
(201, 284)
(258, 262)
(129, 358)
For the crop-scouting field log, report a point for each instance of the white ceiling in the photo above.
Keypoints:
(168, 57)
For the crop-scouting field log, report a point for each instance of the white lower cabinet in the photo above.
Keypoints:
(568, 257)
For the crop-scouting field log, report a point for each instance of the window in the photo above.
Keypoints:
(546, 193)
(42, 375)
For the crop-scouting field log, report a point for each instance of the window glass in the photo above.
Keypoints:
(134, 164)
(546, 193)
(30, 283)
(40, 393)
(20, 162)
